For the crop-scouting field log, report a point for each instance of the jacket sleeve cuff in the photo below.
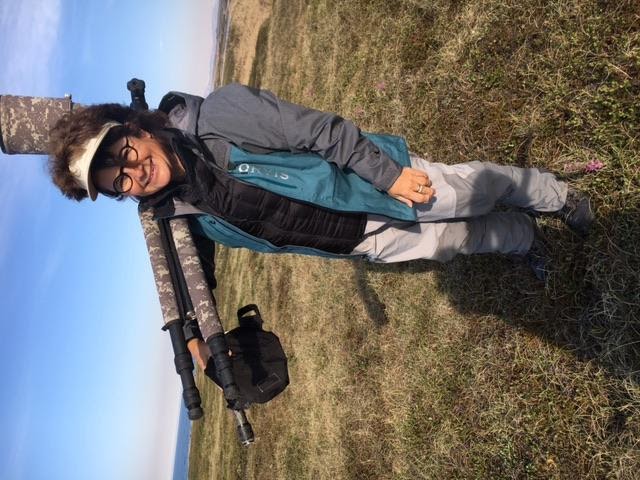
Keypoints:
(388, 175)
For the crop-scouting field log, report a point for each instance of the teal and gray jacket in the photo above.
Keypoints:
(311, 157)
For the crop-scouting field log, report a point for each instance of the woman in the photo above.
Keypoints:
(258, 172)
(252, 170)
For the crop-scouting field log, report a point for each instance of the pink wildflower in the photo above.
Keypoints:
(593, 166)
(380, 86)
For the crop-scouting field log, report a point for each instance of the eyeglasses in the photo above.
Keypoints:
(127, 155)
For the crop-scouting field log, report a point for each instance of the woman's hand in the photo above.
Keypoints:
(200, 351)
(412, 186)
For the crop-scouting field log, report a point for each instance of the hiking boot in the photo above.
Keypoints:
(537, 258)
(576, 212)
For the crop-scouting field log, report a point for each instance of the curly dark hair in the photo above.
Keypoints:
(74, 129)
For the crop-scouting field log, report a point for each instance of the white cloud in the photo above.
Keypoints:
(29, 33)
(28, 38)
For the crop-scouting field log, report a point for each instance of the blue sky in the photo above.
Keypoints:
(88, 387)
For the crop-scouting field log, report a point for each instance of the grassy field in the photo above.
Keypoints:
(473, 369)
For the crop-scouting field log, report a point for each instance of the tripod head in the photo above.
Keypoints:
(137, 88)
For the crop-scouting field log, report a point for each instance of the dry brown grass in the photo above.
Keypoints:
(471, 369)
(248, 16)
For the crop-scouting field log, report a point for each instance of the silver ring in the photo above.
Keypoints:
(420, 188)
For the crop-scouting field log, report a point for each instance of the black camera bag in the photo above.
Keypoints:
(259, 362)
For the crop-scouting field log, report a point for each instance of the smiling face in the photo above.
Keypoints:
(142, 168)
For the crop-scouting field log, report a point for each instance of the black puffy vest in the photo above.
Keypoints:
(279, 220)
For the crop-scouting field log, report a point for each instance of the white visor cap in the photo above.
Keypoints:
(80, 167)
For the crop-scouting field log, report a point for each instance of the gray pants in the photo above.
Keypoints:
(460, 218)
